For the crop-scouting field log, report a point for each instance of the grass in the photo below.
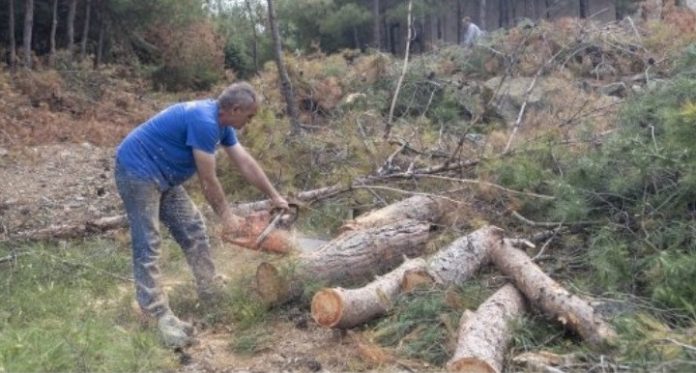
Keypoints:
(62, 311)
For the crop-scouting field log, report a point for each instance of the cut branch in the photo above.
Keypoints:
(485, 335)
(572, 311)
(387, 130)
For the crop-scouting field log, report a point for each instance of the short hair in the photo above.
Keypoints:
(238, 94)
(466, 19)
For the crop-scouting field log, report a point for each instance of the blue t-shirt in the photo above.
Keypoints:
(161, 149)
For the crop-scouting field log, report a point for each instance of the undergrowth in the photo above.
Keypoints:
(63, 310)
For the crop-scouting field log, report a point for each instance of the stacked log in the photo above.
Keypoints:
(343, 308)
(418, 207)
(353, 256)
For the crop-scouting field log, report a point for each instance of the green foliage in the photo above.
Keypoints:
(422, 323)
(639, 190)
(58, 313)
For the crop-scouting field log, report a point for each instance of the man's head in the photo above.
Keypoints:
(238, 103)
(466, 21)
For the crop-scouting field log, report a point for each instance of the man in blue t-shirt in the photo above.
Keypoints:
(151, 164)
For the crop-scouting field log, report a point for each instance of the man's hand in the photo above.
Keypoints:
(280, 202)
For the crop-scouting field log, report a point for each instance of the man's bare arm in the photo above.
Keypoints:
(253, 173)
(212, 190)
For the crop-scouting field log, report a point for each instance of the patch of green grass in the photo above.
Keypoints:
(62, 310)
(252, 340)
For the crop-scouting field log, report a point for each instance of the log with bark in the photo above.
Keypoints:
(352, 256)
(485, 334)
(69, 231)
(572, 311)
(418, 207)
(343, 308)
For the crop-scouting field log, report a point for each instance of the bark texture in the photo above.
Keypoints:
(72, 10)
(346, 308)
(351, 257)
(422, 208)
(484, 335)
(551, 297)
(52, 38)
(285, 85)
(28, 27)
(85, 29)
(11, 32)
(341, 308)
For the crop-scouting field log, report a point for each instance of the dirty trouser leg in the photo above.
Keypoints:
(142, 202)
(186, 225)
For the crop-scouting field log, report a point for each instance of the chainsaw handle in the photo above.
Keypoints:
(293, 212)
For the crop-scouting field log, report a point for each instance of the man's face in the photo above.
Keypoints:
(238, 116)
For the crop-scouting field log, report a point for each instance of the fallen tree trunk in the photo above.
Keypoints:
(352, 256)
(485, 334)
(341, 308)
(68, 231)
(418, 207)
(551, 297)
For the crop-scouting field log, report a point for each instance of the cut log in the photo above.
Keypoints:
(572, 311)
(461, 259)
(341, 308)
(418, 207)
(484, 335)
(346, 308)
(352, 256)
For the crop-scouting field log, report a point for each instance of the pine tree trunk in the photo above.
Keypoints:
(11, 32)
(572, 311)
(28, 27)
(101, 17)
(72, 10)
(341, 308)
(584, 8)
(376, 37)
(418, 207)
(85, 30)
(285, 85)
(350, 257)
(485, 335)
(54, 27)
(255, 45)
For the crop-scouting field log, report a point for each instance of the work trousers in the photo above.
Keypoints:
(146, 205)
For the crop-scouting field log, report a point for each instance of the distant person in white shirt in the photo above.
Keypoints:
(471, 32)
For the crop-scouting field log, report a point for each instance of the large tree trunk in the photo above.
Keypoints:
(482, 14)
(548, 295)
(54, 26)
(11, 32)
(484, 335)
(341, 308)
(72, 10)
(28, 27)
(376, 37)
(101, 17)
(346, 308)
(85, 29)
(352, 256)
(255, 45)
(418, 207)
(285, 85)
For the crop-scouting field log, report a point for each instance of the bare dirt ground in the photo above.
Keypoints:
(72, 183)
